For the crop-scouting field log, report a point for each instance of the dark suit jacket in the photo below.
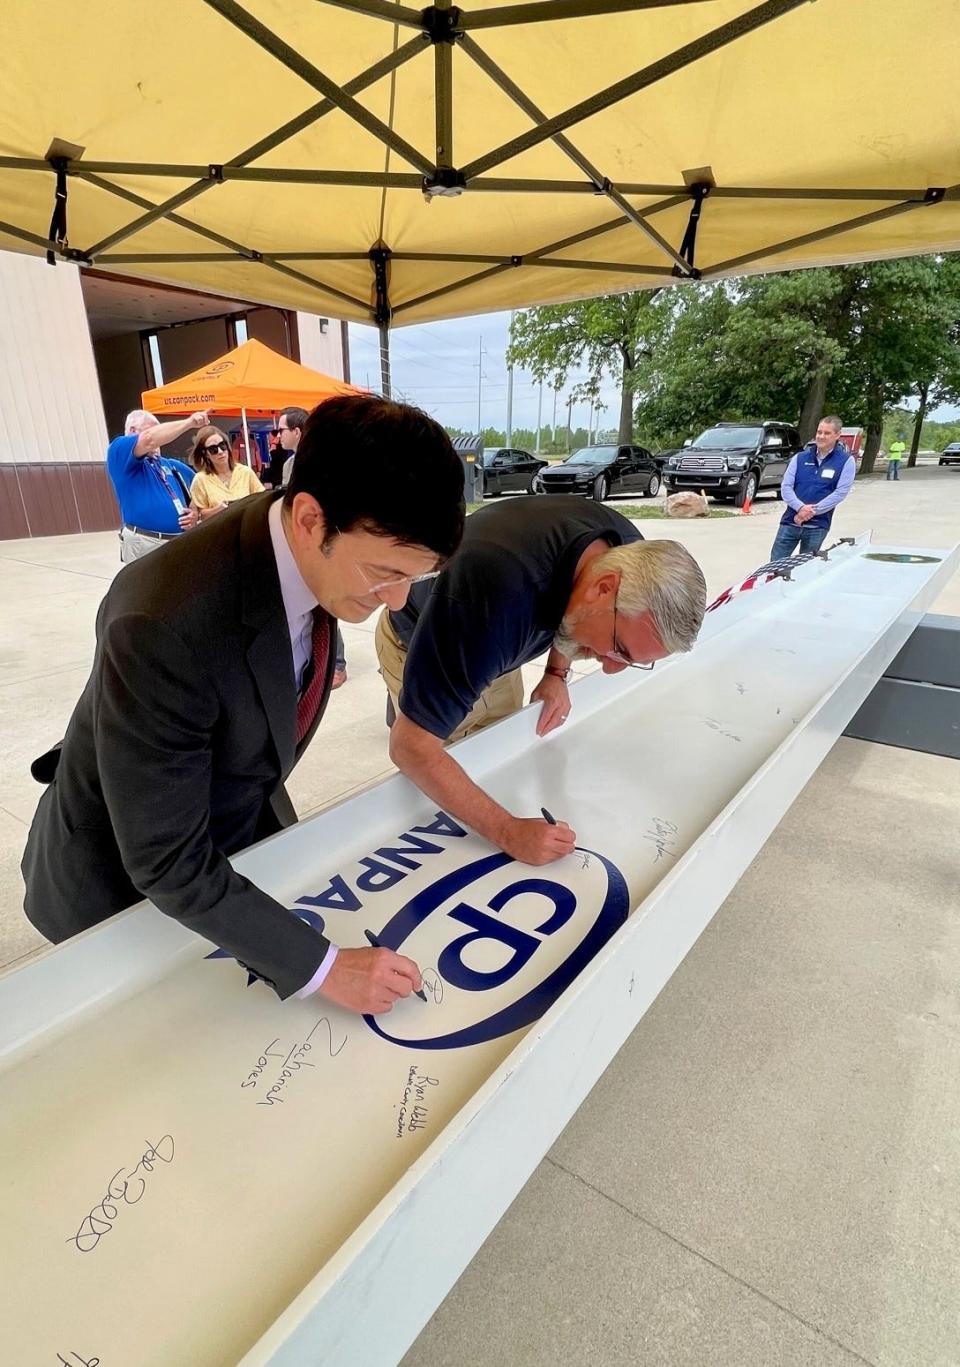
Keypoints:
(176, 753)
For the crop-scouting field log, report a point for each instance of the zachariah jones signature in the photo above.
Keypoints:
(125, 1188)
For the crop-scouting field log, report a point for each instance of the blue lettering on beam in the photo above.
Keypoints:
(400, 854)
(379, 876)
(337, 897)
(451, 967)
(441, 825)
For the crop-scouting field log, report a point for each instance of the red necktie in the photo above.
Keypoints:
(309, 700)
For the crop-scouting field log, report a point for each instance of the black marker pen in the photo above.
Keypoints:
(377, 945)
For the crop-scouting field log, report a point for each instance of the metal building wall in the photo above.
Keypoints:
(52, 431)
(321, 348)
(50, 406)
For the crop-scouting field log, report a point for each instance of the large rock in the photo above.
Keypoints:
(687, 504)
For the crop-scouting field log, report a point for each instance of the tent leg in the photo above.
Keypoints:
(246, 437)
(385, 386)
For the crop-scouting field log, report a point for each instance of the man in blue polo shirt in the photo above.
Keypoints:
(153, 491)
(816, 480)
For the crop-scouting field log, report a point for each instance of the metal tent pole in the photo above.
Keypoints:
(386, 387)
(246, 437)
(510, 395)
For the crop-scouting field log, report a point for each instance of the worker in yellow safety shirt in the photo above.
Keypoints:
(894, 457)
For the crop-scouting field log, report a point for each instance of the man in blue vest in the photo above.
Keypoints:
(816, 480)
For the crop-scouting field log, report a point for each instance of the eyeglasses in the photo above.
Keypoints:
(274, 431)
(391, 583)
(618, 653)
(395, 583)
(217, 446)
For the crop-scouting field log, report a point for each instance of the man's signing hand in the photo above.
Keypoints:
(370, 980)
(533, 841)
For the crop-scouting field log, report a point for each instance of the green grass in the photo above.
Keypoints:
(652, 510)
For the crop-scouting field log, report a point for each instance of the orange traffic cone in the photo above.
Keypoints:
(746, 507)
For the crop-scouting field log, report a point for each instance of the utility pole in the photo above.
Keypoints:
(553, 426)
(590, 425)
(569, 416)
(480, 389)
(539, 414)
(510, 393)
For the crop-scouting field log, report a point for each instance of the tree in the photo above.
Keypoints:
(611, 333)
(901, 324)
(744, 350)
(785, 340)
(943, 386)
(853, 340)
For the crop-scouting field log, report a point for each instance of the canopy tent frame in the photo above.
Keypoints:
(440, 27)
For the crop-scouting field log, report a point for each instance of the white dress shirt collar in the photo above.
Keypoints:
(298, 600)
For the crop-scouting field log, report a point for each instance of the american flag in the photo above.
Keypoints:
(773, 569)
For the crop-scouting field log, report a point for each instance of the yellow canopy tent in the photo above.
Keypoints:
(382, 163)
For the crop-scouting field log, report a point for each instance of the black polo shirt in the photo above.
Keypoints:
(498, 604)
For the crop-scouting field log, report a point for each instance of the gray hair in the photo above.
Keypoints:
(835, 422)
(135, 421)
(662, 578)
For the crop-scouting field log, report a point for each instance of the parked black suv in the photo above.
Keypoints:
(950, 455)
(734, 461)
(599, 471)
(508, 470)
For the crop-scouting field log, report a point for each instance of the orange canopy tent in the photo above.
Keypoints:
(250, 381)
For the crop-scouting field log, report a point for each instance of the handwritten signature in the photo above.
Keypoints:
(77, 1360)
(663, 834)
(125, 1188)
(262, 1064)
(433, 985)
(296, 1059)
(720, 729)
(413, 1111)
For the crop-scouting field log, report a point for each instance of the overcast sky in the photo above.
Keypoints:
(434, 365)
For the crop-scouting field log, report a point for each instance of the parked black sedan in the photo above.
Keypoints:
(599, 471)
(508, 470)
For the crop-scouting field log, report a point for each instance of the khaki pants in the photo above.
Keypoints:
(501, 699)
(133, 546)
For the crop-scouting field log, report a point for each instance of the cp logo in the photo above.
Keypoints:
(523, 939)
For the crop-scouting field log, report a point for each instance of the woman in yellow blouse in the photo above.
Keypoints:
(219, 479)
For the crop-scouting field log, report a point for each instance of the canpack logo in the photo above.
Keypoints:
(514, 940)
(498, 941)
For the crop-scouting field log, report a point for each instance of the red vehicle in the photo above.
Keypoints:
(853, 439)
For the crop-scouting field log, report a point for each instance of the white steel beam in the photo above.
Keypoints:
(199, 1173)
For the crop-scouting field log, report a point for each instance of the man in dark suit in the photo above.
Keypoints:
(213, 667)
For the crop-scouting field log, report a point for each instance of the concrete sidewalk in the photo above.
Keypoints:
(769, 1172)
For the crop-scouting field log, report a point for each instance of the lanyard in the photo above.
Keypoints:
(158, 468)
